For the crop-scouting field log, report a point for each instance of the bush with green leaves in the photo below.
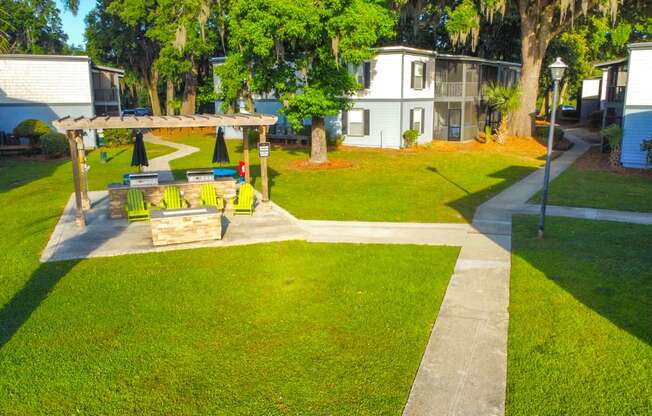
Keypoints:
(410, 137)
(613, 134)
(54, 144)
(253, 135)
(646, 146)
(335, 140)
(32, 129)
(117, 137)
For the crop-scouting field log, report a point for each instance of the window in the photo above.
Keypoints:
(418, 75)
(356, 122)
(416, 119)
(362, 73)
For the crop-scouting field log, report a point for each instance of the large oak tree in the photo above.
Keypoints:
(299, 51)
(541, 21)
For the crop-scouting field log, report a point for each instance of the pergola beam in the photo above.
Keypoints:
(74, 127)
(136, 122)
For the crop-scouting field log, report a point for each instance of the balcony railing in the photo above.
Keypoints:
(616, 93)
(104, 95)
(454, 89)
(448, 89)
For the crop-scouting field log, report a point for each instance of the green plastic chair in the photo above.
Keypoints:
(137, 208)
(209, 197)
(172, 198)
(245, 202)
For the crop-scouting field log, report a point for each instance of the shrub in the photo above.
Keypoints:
(32, 129)
(336, 140)
(254, 137)
(54, 144)
(646, 146)
(488, 134)
(117, 137)
(410, 137)
(613, 134)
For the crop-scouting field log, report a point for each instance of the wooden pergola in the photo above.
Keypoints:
(74, 128)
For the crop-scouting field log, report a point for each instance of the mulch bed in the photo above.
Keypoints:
(594, 159)
(305, 165)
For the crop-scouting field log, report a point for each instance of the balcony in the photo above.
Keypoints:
(449, 89)
(105, 95)
(455, 89)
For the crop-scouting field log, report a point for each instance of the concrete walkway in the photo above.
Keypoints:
(464, 367)
(161, 164)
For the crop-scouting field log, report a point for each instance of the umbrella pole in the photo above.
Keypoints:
(245, 146)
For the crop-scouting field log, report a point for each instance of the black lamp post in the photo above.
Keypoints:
(557, 69)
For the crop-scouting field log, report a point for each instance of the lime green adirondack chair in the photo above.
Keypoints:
(209, 197)
(172, 198)
(245, 202)
(137, 208)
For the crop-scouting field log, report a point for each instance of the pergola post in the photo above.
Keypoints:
(245, 147)
(83, 174)
(80, 218)
(262, 130)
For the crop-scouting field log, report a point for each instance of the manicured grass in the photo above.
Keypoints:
(118, 163)
(284, 328)
(580, 333)
(593, 187)
(431, 185)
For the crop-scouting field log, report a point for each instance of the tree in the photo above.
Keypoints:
(541, 21)
(505, 99)
(116, 34)
(32, 27)
(298, 51)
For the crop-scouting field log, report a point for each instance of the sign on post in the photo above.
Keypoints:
(263, 149)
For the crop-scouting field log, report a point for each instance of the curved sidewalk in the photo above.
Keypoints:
(161, 164)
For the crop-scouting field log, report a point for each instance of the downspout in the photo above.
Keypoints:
(434, 97)
(400, 123)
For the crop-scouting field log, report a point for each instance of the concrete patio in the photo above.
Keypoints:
(104, 237)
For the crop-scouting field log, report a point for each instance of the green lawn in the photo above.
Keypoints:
(586, 187)
(423, 186)
(118, 161)
(580, 333)
(283, 328)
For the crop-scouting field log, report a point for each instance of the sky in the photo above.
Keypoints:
(74, 25)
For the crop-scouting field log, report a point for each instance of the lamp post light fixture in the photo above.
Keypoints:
(557, 69)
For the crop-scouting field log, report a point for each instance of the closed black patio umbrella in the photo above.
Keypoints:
(139, 157)
(220, 154)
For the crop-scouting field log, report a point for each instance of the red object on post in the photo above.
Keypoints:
(242, 169)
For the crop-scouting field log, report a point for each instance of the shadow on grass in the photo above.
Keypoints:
(43, 280)
(604, 265)
(467, 205)
(113, 156)
(15, 173)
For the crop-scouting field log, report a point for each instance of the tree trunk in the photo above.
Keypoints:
(502, 131)
(169, 98)
(190, 90)
(535, 37)
(152, 91)
(318, 149)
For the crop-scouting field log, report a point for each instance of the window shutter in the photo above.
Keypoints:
(367, 74)
(366, 122)
(412, 75)
(423, 76)
(411, 119)
(423, 119)
(345, 121)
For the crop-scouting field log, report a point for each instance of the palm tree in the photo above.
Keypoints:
(506, 100)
